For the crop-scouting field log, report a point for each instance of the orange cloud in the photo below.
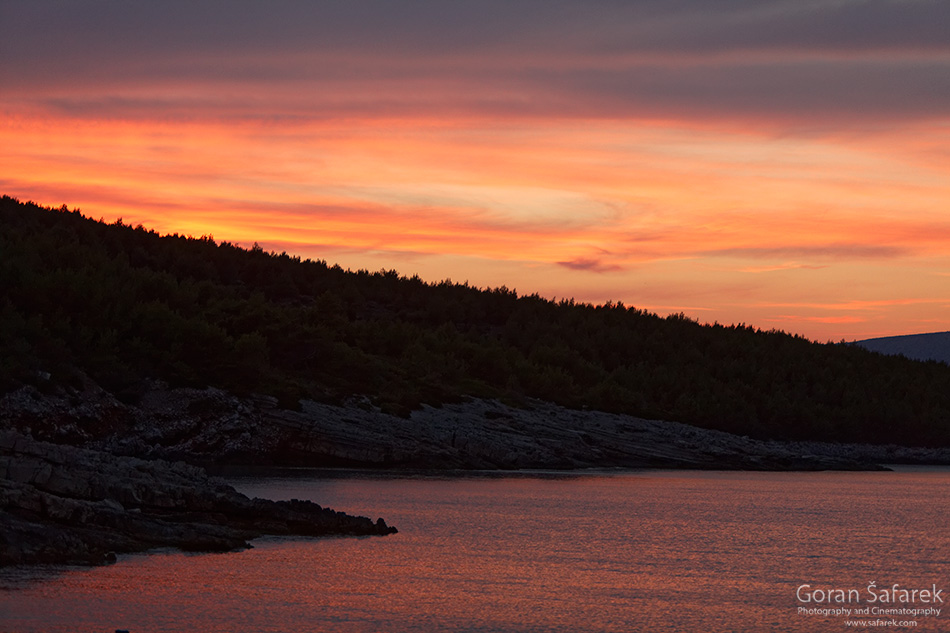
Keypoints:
(841, 319)
(846, 230)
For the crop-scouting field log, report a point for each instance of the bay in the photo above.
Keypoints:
(526, 552)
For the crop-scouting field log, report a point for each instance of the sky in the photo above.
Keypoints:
(779, 163)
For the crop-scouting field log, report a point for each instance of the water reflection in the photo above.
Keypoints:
(670, 551)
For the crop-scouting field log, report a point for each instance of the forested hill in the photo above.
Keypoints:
(122, 304)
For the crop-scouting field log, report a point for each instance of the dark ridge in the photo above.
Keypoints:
(123, 305)
(933, 346)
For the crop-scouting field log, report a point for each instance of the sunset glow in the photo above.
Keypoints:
(781, 164)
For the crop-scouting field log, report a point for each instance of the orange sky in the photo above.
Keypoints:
(799, 181)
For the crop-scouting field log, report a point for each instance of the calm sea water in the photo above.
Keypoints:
(646, 551)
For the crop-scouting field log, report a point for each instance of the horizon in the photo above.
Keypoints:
(769, 163)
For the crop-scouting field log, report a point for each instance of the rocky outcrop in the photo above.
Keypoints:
(65, 504)
(83, 474)
(209, 426)
(487, 434)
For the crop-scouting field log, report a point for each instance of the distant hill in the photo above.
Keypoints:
(933, 346)
(125, 306)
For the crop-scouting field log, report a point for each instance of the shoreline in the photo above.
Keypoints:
(234, 472)
(212, 428)
(62, 504)
(84, 476)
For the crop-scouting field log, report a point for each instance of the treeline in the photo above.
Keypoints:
(123, 304)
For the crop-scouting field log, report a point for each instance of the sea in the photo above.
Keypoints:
(486, 552)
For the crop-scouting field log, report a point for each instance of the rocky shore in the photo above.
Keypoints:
(212, 427)
(62, 504)
(84, 476)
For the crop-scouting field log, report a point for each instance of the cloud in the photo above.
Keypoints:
(506, 28)
(857, 304)
(803, 62)
(777, 267)
(590, 264)
(821, 251)
(835, 319)
(675, 144)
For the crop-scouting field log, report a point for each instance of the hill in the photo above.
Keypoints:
(124, 305)
(934, 346)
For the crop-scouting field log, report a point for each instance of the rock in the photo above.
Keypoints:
(211, 427)
(95, 504)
